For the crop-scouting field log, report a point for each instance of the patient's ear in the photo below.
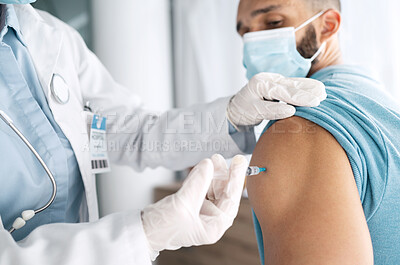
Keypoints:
(331, 21)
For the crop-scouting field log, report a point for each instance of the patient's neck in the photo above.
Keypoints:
(331, 55)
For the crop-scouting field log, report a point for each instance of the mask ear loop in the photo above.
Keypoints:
(309, 21)
(312, 59)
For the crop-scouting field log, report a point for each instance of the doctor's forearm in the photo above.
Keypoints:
(180, 138)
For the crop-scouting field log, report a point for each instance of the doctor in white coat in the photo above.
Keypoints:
(47, 76)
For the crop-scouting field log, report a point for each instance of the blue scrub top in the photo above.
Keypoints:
(366, 123)
(24, 183)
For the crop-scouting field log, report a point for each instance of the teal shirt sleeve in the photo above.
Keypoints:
(366, 123)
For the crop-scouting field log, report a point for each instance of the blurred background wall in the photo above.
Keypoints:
(180, 52)
(133, 40)
(371, 38)
(208, 51)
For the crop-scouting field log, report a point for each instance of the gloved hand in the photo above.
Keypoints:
(258, 100)
(201, 211)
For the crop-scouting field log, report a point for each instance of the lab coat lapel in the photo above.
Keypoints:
(45, 55)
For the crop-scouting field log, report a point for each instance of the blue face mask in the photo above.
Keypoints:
(275, 51)
(17, 2)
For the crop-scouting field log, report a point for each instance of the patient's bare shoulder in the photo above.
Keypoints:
(307, 203)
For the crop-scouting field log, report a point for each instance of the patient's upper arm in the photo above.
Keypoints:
(307, 203)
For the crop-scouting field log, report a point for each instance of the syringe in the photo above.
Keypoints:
(254, 171)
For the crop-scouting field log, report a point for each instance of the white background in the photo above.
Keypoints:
(371, 37)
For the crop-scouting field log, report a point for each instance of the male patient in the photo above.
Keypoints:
(332, 191)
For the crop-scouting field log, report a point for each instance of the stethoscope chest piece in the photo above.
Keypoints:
(59, 89)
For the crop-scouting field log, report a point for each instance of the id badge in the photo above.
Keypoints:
(98, 145)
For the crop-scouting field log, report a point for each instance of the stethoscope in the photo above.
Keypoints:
(60, 93)
(29, 214)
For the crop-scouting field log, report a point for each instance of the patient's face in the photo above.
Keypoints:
(258, 15)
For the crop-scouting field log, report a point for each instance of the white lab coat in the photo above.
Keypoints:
(117, 239)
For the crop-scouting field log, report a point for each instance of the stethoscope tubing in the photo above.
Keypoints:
(38, 157)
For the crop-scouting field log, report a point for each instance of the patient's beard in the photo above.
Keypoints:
(308, 46)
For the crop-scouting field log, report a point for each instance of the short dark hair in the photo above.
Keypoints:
(321, 5)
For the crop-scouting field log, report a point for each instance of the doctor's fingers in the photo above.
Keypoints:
(220, 179)
(305, 93)
(274, 110)
(215, 221)
(295, 91)
(197, 184)
(232, 194)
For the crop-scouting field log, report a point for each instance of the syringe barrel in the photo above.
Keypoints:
(252, 171)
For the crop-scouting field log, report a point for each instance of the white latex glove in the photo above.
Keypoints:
(255, 102)
(201, 211)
